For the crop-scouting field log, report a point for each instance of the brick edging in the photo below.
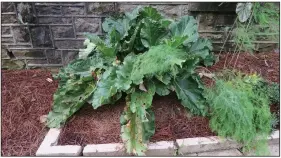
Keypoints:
(49, 146)
(185, 146)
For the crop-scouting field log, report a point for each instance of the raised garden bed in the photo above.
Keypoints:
(27, 95)
(100, 126)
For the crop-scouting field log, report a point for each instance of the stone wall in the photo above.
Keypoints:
(50, 34)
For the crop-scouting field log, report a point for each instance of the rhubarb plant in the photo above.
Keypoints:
(141, 54)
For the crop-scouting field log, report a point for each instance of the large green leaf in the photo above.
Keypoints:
(122, 26)
(113, 80)
(134, 14)
(161, 88)
(186, 26)
(83, 67)
(68, 99)
(128, 45)
(105, 88)
(189, 91)
(243, 11)
(175, 41)
(152, 32)
(152, 13)
(90, 47)
(108, 50)
(200, 48)
(158, 60)
(140, 100)
(134, 132)
(123, 72)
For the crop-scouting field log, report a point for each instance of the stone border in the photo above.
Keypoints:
(49, 146)
(188, 146)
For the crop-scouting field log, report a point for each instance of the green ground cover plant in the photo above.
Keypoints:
(141, 54)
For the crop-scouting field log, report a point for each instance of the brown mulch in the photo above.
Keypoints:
(265, 64)
(101, 126)
(26, 95)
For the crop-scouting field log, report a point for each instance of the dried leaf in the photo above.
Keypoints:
(43, 118)
(142, 87)
(49, 80)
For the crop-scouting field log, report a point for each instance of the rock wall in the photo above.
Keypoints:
(50, 34)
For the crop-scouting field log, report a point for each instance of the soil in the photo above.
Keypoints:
(26, 95)
(100, 126)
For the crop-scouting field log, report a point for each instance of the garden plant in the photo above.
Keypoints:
(143, 54)
(239, 108)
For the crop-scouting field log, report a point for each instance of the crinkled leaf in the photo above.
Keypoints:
(83, 67)
(123, 72)
(152, 13)
(69, 99)
(186, 26)
(166, 22)
(161, 89)
(140, 101)
(134, 14)
(122, 26)
(164, 78)
(101, 46)
(90, 47)
(189, 91)
(114, 36)
(175, 41)
(243, 10)
(152, 32)
(158, 60)
(105, 88)
(135, 133)
(128, 45)
(201, 48)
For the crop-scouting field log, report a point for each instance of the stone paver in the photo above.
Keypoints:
(48, 146)
(66, 150)
(114, 149)
(232, 152)
(162, 148)
(274, 150)
(204, 144)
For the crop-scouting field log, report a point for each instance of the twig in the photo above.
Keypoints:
(241, 44)
(228, 35)
(232, 55)
(225, 60)
(266, 63)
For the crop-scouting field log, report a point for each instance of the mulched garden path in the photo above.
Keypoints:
(90, 126)
(27, 95)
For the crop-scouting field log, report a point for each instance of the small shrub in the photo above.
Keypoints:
(241, 111)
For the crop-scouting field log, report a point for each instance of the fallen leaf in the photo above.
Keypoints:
(209, 75)
(49, 80)
(43, 119)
